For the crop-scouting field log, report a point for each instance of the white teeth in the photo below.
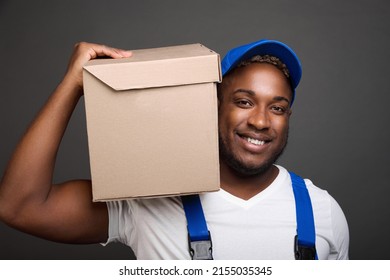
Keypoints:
(255, 141)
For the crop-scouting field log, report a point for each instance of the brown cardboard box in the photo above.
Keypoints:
(152, 123)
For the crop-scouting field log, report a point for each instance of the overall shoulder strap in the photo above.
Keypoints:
(304, 245)
(199, 239)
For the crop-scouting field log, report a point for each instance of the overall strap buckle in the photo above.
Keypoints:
(304, 252)
(200, 249)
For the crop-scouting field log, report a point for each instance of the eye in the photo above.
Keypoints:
(243, 103)
(279, 109)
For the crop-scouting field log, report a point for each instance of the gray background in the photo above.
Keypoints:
(339, 133)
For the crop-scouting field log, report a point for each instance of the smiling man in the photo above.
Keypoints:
(261, 212)
(254, 113)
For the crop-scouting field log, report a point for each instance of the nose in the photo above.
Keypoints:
(259, 119)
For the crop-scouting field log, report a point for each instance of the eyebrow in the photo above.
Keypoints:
(281, 98)
(251, 92)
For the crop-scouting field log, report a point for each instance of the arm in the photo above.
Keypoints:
(28, 199)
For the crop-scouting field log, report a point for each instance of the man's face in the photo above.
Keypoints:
(253, 118)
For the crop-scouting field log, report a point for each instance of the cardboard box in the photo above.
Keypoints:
(152, 123)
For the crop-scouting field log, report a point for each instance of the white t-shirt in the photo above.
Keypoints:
(262, 227)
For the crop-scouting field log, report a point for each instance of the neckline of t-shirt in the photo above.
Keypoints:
(274, 186)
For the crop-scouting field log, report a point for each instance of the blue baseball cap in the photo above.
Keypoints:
(265, 47)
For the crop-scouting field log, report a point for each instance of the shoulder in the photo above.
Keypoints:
(317, 194)
(321, 196)
(131, 212)
(323, 202)
(130, 206)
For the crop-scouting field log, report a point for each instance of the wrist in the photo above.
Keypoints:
(72, 86)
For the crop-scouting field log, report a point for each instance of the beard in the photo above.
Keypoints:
(242, 168)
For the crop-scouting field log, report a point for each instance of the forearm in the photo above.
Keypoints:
(28, 176)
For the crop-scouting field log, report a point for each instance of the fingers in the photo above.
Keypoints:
(95, 50)
(83, 52)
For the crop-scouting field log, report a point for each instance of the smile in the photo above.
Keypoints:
(255, 141)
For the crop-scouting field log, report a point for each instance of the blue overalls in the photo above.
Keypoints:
(199, 239)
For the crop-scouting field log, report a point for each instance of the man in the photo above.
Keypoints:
(251, 217)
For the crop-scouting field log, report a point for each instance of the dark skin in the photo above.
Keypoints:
(256, 105)
(29, 201)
